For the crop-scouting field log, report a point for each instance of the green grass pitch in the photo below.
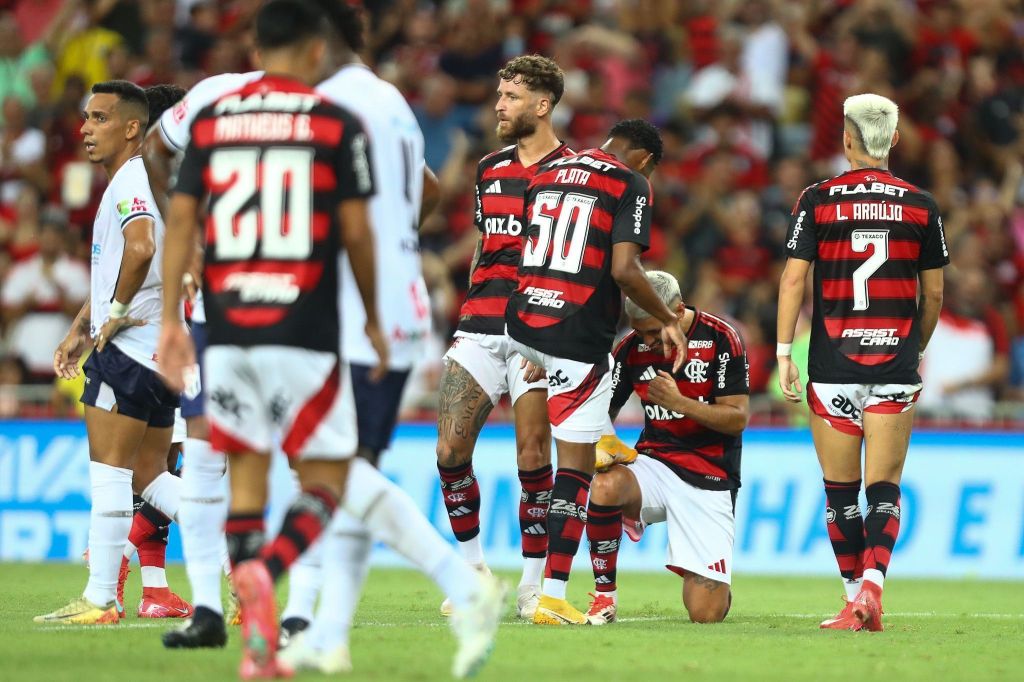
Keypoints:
(935, 630)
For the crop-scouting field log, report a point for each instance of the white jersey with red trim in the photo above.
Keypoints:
(396, 148)
(127, 198)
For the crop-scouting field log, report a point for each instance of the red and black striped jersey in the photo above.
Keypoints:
(501, 182)
(716, 366)
(275, 160)
(869, 235)
(577, 208)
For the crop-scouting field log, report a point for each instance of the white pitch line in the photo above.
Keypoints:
(44, 627)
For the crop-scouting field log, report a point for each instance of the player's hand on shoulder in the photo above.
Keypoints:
(380, 347)
(175, 356)
(789, 379)
(113, 327)
(664, 391)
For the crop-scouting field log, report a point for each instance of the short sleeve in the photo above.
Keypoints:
(353, 169)
(132, 198)
(190, 173)
(731, 369)
(622, 386)
(801, 240)
(934, 253)
(176, 122)
(632, 220)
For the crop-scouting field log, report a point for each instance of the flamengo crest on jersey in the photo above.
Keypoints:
(578, 207)
(870, 235)
(275, 159)
(501, 182)
(716, 366)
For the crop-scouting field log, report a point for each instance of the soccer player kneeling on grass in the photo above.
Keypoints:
(687, 471)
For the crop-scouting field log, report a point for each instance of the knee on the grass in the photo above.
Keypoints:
(707, 613)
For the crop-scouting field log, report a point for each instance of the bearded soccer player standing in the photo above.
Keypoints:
(129, 412)
(480, 367)
(283, 199)
(687, 471)
(587, 220)
(878, 247)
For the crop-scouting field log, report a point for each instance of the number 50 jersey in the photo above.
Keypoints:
(276, 159)
(567, 304)
(869, 235)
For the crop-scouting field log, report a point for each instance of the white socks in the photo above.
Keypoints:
(164, 493)
(154, 576)
(392, 517)
(852, 588)
(203, 512)
(873, 575)
(472, 551)
(110, 520)
(348, 546)
(304, 582)
(533, 571)
(555, 588)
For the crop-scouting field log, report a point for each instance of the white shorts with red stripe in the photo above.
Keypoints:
(493, 364)
(701, 523)
(579, 394)
(842, 406)
(301, 396)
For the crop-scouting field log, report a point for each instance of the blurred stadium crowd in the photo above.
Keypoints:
(748, 95)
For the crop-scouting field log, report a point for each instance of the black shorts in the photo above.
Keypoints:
(193, 407)
(376, 406)
(112, 378)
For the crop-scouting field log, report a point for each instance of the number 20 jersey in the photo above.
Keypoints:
(275, 159)
(869, 235)
(566, 303)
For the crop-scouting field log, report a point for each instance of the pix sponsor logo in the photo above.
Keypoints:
(503, 226)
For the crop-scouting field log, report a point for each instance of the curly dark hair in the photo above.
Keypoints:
(537, 73)
(162, 97)
(641, 135)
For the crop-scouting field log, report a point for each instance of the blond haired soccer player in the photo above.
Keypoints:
(687, 470)
(878, 248)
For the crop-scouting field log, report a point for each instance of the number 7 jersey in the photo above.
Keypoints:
(869, 235)
(275, 159)
(577, 208)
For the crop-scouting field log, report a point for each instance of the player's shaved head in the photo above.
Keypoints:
(131, 100)
(537, 73)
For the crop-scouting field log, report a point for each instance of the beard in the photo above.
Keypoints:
(519, 127)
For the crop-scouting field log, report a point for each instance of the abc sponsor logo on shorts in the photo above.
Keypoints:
(845, 407)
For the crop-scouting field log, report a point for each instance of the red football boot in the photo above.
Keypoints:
(160, 602)
(845, 620)
(255, 592)
(867, 606)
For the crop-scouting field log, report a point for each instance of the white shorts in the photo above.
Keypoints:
(303, 396)
(842, 406)
(579, 394)
(180, 432)
(701, 524)
(493, 364)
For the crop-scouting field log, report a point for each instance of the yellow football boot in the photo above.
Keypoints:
(81, 611)
(611, 450)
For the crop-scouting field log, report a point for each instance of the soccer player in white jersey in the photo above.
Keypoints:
(129, 412)
(395, 520)
(375, 508)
